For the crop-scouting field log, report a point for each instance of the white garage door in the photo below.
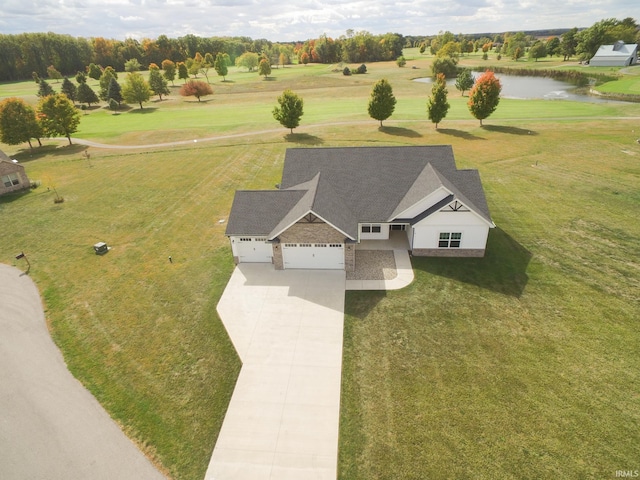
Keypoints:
(253, 250)
(328, 256)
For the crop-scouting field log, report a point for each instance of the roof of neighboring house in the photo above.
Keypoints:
(347, 186)
(618, 49)
(4, 158)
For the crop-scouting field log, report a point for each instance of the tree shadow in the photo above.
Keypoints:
(303, 138)
(142, 111)
(270, 79)
(509, 130)
(361, 302)
(502, 270)
(399, 132)
(26, 155)
(459, 134)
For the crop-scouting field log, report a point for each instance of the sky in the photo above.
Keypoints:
(292, 20)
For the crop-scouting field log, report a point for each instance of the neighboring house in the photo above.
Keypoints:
(12, 175)
(617, 55)
(330, 199)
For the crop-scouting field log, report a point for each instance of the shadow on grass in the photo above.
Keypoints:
(502, 270)
(27, 154)
(143, 111)
(360, 302)
(270, 79)
(459, 134)
(303, 138)
(400, 132)
(509, 130)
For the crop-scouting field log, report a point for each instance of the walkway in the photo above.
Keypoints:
(51, 427)
(283, 418)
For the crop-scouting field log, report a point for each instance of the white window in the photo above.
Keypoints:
(450, 240)
(10, 180)
(369, 228)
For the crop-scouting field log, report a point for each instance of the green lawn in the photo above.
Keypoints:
(519, 365)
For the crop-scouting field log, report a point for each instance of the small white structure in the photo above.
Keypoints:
(619, 54)
(332, 198)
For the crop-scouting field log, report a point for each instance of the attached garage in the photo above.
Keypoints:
(328, 256)
(252, 249)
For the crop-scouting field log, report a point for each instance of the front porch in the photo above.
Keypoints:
(382, 264)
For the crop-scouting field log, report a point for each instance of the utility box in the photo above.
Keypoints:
(101, 248)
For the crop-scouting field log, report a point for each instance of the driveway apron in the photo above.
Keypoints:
(51, 427)
(282, 421)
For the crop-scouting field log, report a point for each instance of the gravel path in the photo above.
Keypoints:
(374, 265)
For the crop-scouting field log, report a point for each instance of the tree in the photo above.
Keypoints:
(220, 65)
(264, 68)
(484, 96)
(464, 81)
(553, 46)
(446, 65)
(105, 80)
(158, 83)
(53, 73)
(69, 89)
(132, 65)
(568, 44)
(538, 50)
(248, 60)
(85, 94)
(289, 111)
(136, 89)
(169, 69)
(401, 61)
(57, 116)
(196, 88)
(94, 71)
(206, 65)
(183, 71)
(517, 53)
(437, 104)
(382, 102)
(304, 58)
(44, 89)
(114, 92)
(81, 77)
(18, 122)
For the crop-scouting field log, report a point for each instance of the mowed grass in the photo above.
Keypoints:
(521, 362)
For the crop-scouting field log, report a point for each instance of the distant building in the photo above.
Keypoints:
(12, 175)
(619, 54)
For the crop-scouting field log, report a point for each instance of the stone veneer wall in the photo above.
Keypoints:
(9, 167)
(447, 252)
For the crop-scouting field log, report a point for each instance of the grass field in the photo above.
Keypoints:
(519, 365)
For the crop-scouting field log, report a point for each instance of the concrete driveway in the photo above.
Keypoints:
(51, 427)
(283, 418)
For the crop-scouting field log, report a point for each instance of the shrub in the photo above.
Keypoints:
(346, 71)
(361, 69)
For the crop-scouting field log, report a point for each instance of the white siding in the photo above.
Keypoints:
(474, 230)
(383, 234)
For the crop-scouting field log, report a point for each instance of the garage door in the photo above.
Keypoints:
(328, 256)
(253, 250)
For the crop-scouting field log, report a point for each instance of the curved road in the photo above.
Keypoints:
(51, 427)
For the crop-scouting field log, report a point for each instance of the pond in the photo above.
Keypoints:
(532, 87)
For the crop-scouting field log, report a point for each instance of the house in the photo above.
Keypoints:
(12, 175)
(330, 199)
(617, 55)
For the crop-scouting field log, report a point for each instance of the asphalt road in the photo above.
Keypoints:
(51, 427)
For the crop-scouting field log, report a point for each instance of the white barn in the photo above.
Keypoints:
(617, 55)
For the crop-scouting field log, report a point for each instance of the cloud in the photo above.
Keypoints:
(299, 19)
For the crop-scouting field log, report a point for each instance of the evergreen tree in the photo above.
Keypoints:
(69, 89)
(58, 116)
(81, 78)
(464, 80)
(115, 91)
(158, 83)
(382, 102)
(484, 96)
(290, 110)
(94, 71)
(44, 89)
(53, 73)
(105, 80)
(183, 71)
(85, 94)
(18, 122)
(437, 104)
(220, 65)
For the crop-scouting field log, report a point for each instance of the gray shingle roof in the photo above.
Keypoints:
(345, 186)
